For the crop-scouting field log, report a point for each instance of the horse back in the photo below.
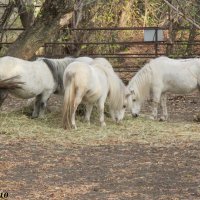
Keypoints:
(34, 74)
(175, 75)
(89, 80)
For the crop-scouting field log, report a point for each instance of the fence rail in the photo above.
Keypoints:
(152, 49)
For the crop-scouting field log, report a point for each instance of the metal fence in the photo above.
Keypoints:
(139, 50)
(130, 54)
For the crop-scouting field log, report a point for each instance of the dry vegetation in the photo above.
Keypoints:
(17, 123)
(142, 130)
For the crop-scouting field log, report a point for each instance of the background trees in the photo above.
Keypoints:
(46, 24)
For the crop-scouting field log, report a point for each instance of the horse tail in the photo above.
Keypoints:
(69, 98)
(11, 83)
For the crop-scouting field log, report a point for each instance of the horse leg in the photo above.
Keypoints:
(3, 96)
(164, 107)
(156, 101)
(101, 111)
(36, 108)
(89, 108)
(154, 110)
(43, 103)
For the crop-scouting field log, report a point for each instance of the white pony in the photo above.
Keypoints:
(40, 79)
(90, 84)
(162, 75)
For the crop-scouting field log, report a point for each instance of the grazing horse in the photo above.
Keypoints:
(40, 78)
(162, 75)
(93, 83)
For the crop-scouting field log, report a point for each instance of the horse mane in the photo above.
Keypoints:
(116, 86)
(11, 83)
(141, 82)
(57, 68)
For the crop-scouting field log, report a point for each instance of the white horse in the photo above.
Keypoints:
(40, 79)
(162, 75)
(90, 84)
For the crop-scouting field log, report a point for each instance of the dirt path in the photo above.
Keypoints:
(30, 170)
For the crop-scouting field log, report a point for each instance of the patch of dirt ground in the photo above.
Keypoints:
(30, 170)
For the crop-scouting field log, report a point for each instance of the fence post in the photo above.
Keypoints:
(156, 41)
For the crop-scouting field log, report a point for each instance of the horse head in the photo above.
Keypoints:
(135, 103)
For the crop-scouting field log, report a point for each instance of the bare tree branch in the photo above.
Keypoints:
(181, 14)
(5, 18)
(6, 15)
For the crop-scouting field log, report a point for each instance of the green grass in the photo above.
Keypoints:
(18, 125)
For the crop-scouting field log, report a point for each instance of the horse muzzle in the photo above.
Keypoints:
(117, 120)
(134, 115)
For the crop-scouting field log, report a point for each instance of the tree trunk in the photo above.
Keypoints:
(125, 13)
(26, 12)
(171, 32)
(45, 28)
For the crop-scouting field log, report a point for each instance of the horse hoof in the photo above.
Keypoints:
(41, 116)
(87, 121)
(74, 127)
(33, 117)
